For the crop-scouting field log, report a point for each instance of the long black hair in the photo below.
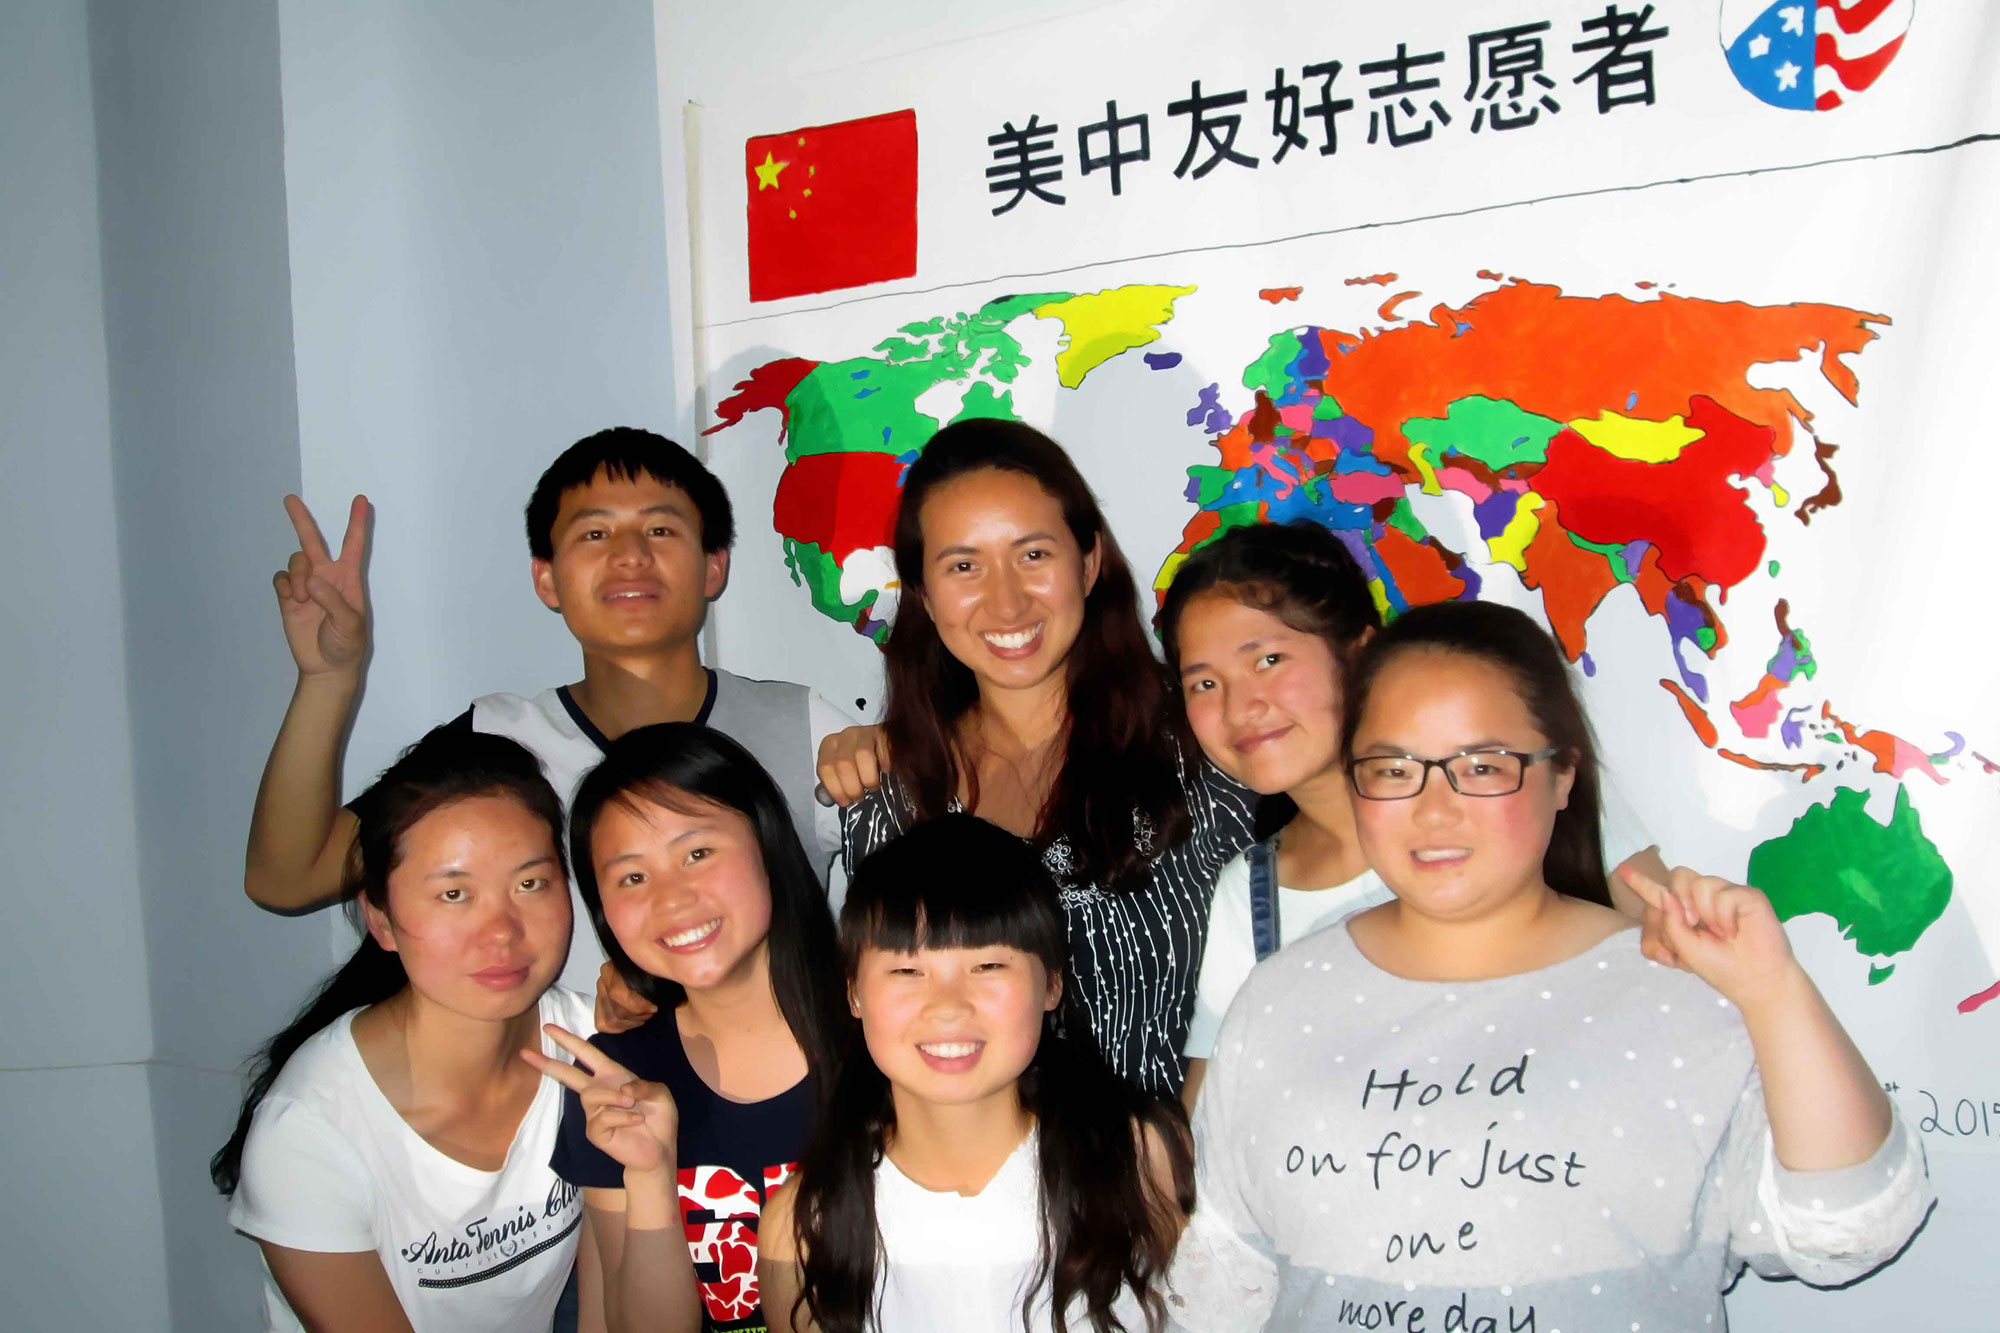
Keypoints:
(1117, 797)
(680, 764)
(1489, 632)
(960, 882)
(1299, 572)
(448, 765)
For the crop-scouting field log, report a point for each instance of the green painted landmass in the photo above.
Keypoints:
(819, 574)
(1404, 520)
(1272, 372)
(870, 402)
(1613, 553)
(1883, 884)
(1494, 431)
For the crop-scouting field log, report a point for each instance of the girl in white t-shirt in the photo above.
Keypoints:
(1260, 626)
(391, 1157)
(979, 1167)
(1479, 1105)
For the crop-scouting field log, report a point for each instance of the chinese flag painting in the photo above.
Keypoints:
(832, 206)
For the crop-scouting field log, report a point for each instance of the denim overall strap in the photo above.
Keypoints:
(1264, 933)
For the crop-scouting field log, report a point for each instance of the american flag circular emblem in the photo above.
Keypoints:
(1812, 55)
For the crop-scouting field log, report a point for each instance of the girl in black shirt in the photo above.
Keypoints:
(686, 858)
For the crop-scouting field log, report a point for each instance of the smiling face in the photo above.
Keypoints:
(684, 891)
(1004, 579)
(1450, 856)
(627, 571)
(952, 1026)
(478, 908)
(1263, 698)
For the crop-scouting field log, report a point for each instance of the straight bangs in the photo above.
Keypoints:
(956, 882)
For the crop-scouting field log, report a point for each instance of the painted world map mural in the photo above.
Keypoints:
(1602, 440)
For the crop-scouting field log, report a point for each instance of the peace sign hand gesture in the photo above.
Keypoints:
(633, 1122)
(324, 598)
(1724, 933)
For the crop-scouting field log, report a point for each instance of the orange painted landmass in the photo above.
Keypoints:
(1277, 294)
(1692, 711)
(1573, 357)
(1419, 570)
(1387, 311)
(1372, 280)
(1892, 754)
(1806, 772)
(1572, 580)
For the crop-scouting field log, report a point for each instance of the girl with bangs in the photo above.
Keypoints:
(678, 1130)
(978, 1167)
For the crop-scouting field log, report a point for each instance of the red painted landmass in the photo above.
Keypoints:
(1972, 1002)
(1699, 523)
(768, 386)
(839, 502)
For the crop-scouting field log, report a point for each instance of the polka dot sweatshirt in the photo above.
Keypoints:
(1582, 1148)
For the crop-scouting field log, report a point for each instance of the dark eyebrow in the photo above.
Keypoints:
(1389, 749)
(1017, 543)
(664, 507)
(455, 872)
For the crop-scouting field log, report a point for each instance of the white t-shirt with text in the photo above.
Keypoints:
(331, 1167)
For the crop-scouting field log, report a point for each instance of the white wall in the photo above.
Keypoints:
(78, 1172)
(192, 206)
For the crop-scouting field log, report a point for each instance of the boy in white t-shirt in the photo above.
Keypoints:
(629, 539)
(1259, 626)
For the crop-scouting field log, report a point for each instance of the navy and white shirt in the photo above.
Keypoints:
(1135, 955)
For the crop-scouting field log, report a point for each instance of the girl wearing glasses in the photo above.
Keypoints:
(1260, 628)
(1478, 1105)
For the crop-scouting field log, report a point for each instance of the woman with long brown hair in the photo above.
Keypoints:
(1022, 688)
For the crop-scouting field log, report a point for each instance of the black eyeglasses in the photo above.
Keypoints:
(1398, 777)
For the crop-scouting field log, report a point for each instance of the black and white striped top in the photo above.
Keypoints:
(1134, 956)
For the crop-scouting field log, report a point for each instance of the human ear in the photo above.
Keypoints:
(378, 925)
(1565, 780)
(853, 1000)
(715, 573)
(1055, 990)
(1091, 562)
(545, 582)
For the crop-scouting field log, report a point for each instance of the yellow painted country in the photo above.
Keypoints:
(1638, 440)
(1514, 539)
(1099, 325)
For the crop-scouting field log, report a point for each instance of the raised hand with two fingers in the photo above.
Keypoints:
(1726, 934)
(633, 1122)
(322, 597)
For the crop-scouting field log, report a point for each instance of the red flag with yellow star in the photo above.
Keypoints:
(832, 206)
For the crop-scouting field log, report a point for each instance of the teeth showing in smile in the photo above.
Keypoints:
(1018, 640)
(949, 1050)
(693, 935)
(1441, 853)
